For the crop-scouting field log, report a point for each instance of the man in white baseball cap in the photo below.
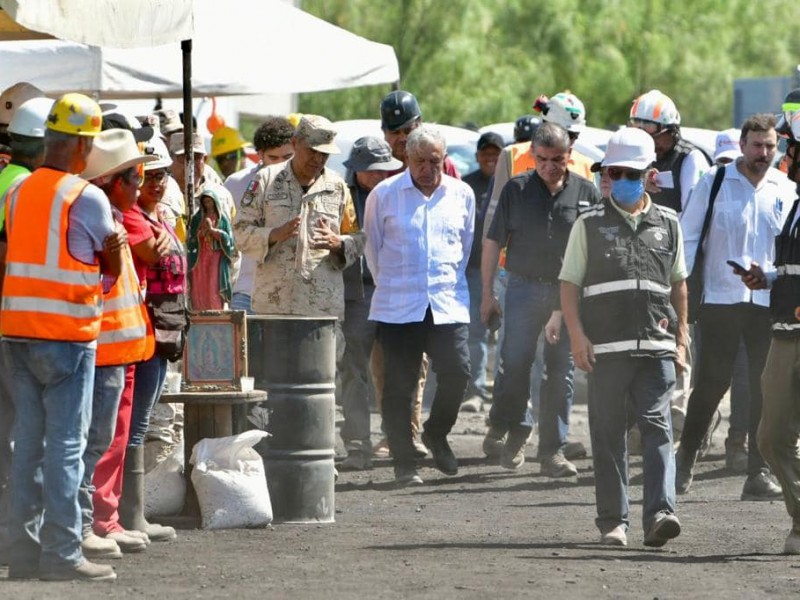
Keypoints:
(727, 146)
(623, 294)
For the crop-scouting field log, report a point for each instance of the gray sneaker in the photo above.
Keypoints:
(761, 487)
(494, 441)
(663, 529)
(736, 452)
(405, 476)
(513, 455)
(556, 465)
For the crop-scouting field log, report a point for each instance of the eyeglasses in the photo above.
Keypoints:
(649, 126)
(155, 176)
(616, 173)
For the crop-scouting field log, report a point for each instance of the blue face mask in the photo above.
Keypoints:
(627, 192)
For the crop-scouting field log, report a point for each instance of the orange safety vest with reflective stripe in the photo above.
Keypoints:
(125, 333)
(522, 160)
(47, 293)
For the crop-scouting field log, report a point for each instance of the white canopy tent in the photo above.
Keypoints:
(234, 47)
(111, 23)
(238, 47)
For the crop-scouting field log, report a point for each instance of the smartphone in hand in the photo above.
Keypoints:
(737, 268)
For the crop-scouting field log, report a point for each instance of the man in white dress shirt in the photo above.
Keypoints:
(749, 211)
(419, 227)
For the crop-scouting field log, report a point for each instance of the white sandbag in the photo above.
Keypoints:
(165, 486)
(230, 482)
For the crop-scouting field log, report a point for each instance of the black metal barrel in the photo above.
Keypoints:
(294, 359)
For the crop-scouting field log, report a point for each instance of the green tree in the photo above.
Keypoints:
(482, 61)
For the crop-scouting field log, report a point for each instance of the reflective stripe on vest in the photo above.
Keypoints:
(123, 331)
(634, 345)
(789, 270)
(624, 285)
(47, 293)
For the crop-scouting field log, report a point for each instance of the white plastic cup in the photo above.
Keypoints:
(248, 384)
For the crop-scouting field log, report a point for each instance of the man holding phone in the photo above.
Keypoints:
(750, 209)
(534, 216)
(779, 431)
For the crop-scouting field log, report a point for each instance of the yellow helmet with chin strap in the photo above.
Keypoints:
(225, 140)
(75, 114)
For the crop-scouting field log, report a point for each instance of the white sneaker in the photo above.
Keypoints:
(615, 537)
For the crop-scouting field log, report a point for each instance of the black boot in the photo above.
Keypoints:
(131, 505)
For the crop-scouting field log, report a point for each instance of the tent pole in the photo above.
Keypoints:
(186, 48)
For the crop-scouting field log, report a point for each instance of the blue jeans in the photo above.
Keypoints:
(647, 384)
(52, 385)
(242, 301)
(478, 338)
(6, 424)
(147, 387)
(108, 385)
(537, 370)
(528, 306)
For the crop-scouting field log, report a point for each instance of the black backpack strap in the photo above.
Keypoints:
(707, 221)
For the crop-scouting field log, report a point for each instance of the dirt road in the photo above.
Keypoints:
(485, 533)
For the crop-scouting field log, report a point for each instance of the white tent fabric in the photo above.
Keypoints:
(239, 47)
(98, 22)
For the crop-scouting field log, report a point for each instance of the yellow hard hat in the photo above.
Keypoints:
(225, 140)
(75, 114)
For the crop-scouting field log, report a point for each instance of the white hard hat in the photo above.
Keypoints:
(30, 117)
(13, 97)
(657, 107)
(567, 110)
(630, 147)
(155, 146)
(727, 144)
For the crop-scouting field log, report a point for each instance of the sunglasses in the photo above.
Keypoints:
(616, 173)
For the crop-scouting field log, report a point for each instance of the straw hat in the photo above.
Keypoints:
(114, 151)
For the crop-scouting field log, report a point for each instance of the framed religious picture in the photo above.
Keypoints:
(215, 357)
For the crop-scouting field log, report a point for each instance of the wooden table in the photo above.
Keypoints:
(211, 414)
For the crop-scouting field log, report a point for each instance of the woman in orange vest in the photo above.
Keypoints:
(125, 338)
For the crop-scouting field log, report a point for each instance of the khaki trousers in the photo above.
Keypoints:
(779, 430)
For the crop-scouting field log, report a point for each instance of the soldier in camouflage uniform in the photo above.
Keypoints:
(289, 222)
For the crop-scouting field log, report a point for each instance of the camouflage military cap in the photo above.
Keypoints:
(318, 132)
